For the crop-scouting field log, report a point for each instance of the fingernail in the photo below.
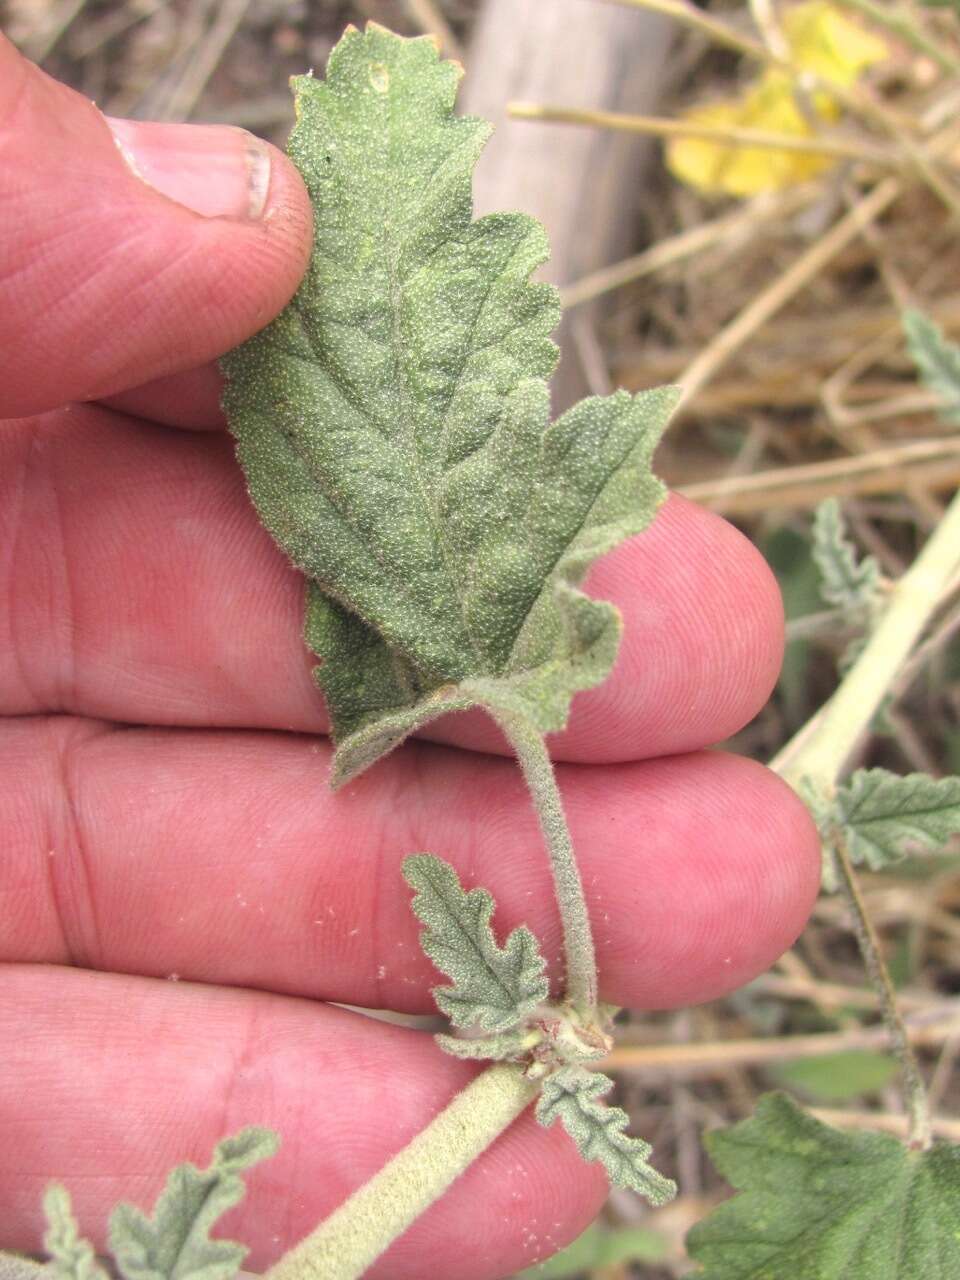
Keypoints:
(216, 170)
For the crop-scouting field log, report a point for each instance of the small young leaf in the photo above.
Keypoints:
(937, 360)
(71, 1257)
(175, 1244)
(393, 424)
(572, 1095)
(494, 988)
(844, 582)
(886, 816)
(819, 1204)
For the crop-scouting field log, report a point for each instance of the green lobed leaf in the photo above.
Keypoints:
(494, 988)
(845, 581)
(572, 1095)
(887, 816)
(393, 424)
(71, 1256)
(819, 1204)
(174, 1244)
(937, 361)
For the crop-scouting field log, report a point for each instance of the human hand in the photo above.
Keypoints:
(164, 814)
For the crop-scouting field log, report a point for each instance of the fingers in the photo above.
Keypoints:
(108, 1082)
(190, 400)
(699, 870)
(131, 250)
(143, 589)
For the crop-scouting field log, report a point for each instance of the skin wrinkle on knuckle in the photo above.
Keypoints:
(69, 853)
(40, 572)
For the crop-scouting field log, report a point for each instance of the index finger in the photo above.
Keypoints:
(143, 589)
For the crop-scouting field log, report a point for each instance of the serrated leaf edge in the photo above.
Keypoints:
(572, 1096)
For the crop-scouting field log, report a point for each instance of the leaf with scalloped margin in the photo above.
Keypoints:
(71, 1256)
(888, 816)
(815, 1203)
(846, 580)
(174, 1244)
(494, 988)
(572, 1096)
(393, 424)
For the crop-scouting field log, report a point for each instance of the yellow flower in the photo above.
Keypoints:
(821, 41)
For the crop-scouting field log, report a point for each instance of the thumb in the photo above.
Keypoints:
(130, 251)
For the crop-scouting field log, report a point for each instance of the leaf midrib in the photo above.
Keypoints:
(393, 248)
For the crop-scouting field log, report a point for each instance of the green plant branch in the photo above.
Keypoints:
(816, 755)
(920, 1134)
(819, 752)
(579, 956)
(350, 1240)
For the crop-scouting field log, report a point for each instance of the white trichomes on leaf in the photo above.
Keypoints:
(393, 424)
(503, 991)
(71, 1256)
(815, 1203)
(885, 817)
(572, 1096)
(494, 988)
(174, 1243)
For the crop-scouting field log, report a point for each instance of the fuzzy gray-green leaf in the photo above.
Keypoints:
(819, 1204)
(845, 581)
(174, 1244)
(572, 1095)
(887, 816)
(937, 360)
(494, 988)
(393, 423)
(71, 1256)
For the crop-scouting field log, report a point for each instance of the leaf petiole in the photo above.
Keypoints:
(921, 1134)
(579, 956)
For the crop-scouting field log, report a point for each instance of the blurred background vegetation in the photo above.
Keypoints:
(768, 281)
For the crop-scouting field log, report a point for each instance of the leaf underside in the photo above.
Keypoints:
(174, 1244)
(886, 817)
(818, 1204)
(572, 1096)
(494, 988)
(393, 424)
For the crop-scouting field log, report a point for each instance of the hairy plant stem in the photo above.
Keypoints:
(351, 1239)
(579, 957)
(346, 1243)
(818, 752)
(920, 1134)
